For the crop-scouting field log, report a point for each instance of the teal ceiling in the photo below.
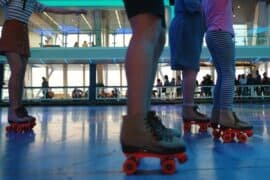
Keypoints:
(86, 3)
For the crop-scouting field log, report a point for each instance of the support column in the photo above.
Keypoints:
(266, 67)
(92, 84)
(260, 23)
(99, 69)
(83, 70)
(28, 82)
(1, 80)
(98, 28)
(65, 79)
(121, 73)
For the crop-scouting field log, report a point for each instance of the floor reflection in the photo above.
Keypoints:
(80, 142)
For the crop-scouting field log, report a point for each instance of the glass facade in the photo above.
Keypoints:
(107, 26)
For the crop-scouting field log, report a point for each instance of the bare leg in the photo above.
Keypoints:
(157, 52)
(189, 85)
(141, 63)
(15, 85)
(189, 111)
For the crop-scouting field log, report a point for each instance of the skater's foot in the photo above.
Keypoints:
(191, 113)
(157, 124)
(228, 119)
(19, 115)
(141, 135)
(25, 112)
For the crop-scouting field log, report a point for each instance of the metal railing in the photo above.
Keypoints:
(119, 93)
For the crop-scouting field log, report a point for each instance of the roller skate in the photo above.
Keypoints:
(141, 139)
(191, 116)
(25, 112)
(20, 121)
(214, 121)
(157, 123)
(231, 128)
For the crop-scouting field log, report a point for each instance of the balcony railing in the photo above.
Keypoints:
(116, 94)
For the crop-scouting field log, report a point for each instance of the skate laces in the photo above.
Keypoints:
(160, 132)
(196, 109)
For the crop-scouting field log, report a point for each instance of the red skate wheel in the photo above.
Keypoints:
(216, 133)
(242, 137)
(182, 158)
(168, 166)
(227, 137)
(249, 133)
(187, 127)
(137, 160)
(130, 166)
(203, 127)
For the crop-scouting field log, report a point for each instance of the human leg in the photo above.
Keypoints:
(140, 67)
(222, 50)
(15, 87)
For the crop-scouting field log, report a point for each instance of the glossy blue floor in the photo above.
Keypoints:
(83, 143)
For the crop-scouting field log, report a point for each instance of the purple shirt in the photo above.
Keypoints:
(219, 15)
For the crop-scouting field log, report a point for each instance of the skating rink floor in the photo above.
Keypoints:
(81, 142)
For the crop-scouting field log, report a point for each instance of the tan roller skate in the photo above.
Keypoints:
(20, 121)
(157, 123)
(191, 116)
(231, 128)
(141, 139)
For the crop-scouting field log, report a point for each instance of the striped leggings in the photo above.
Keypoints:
(222, 49)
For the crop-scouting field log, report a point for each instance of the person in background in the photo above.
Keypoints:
(85, 44)
(45, 87)
(76, 44)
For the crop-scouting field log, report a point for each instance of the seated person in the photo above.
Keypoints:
(77, 93)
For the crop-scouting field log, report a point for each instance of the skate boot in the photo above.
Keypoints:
(157, 123)
(231, 128)
(214, 121)
(191, 116)
(25, 112)
(19, 121)
(140, 138)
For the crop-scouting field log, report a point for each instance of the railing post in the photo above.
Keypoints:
(1, 80)
(92, 87)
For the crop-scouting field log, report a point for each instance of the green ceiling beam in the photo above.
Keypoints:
(86, 3)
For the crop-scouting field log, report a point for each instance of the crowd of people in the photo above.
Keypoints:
(246, 85)
(259, 84)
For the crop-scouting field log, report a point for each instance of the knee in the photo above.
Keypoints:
(154, 34)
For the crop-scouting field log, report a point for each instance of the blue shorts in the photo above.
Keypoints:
(186, 37)
(154, 7)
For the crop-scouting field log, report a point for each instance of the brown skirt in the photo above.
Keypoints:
(15, 38)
